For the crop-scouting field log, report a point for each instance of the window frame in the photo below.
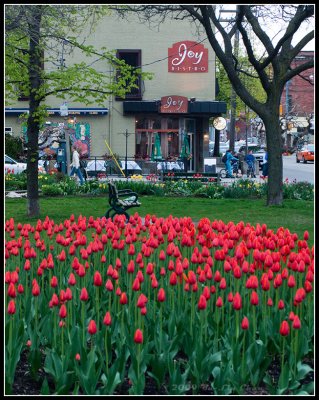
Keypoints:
(138, 95)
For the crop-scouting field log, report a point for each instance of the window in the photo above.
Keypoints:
(167, 129)
(8, 131)
(133, 58)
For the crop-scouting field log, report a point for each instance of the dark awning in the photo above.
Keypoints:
(204, 108)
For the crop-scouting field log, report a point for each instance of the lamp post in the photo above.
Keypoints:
(126, 134)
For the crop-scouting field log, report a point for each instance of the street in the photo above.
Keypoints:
(300, 172)
(291, 170)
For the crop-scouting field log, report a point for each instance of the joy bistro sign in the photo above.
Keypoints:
(187, 56)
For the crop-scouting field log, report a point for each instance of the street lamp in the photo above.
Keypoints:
(126, 134)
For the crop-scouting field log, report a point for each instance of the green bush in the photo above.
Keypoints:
(52, 190)
(298, 190)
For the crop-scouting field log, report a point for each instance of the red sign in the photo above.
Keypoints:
(174, 104)
(187, 56)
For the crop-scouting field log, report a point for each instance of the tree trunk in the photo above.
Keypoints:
(274, 149)
(33, 207)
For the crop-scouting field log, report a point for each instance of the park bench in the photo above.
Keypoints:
(118, 205)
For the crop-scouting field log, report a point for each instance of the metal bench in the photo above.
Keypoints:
(120, 206)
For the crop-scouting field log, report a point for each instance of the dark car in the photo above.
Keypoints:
(258, 152)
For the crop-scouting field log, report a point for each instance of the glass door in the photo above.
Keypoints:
(189, 129)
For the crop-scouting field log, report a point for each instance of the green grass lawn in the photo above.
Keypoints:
(296, 215)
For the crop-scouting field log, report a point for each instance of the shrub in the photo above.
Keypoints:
(52, 190)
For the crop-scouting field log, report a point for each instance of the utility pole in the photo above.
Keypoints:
(233, 103)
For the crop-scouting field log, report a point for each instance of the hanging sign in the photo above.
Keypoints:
(187, 56)
(174, 104)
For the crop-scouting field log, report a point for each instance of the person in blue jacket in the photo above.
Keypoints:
(229, 158)
(250, 160)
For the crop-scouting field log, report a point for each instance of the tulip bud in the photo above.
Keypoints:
(138, 336)
(202, 303)
(245, 323)
(11, 307)
(92, 327)
(107, 319)
(284, 328)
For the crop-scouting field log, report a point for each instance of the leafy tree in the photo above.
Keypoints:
(273, 66)
(33, 34)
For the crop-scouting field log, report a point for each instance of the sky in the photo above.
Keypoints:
(273, 28)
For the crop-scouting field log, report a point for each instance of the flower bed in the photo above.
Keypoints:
(59, 185)
(107, 302)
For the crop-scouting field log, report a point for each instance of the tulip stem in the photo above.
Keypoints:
(283, 354)
(296, 350)
(106, 352)
(83, 322)
(243, 357)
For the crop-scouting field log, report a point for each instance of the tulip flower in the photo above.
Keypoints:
(284, 328)
(202, 302)
(161, 295)
(97, 279)
(245, 323)
(107, 319)
(77, 357)
(138, 336)
(92, 327)
(63, 311)
(11, 307)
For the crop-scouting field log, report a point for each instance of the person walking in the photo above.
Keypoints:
(75, 164)
(250, 160)
(265, 164)
(228, 164)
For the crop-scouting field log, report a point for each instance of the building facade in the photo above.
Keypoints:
(155, 120)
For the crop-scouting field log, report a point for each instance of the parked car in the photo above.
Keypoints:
(306, 153)
(258, 152)
(11, 166)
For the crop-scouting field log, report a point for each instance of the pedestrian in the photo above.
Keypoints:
(250, 160)
(265, 164)
(75, 164)
(228, 164)
(83, 165)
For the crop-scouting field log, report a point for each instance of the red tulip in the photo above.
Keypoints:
(291, 281)
(202, 303)
(136, 285)
(92, 327)
(97, 279)
(84, 294)
(35, 289)
(109, 285)
(77, 357)
(245, 323)
(237, 302)
(54, 281)
(161, 295)
(107, 319)
(63, 312)
(284, 328)
(254, 298)
(138, 336)
(296, 322)
(219, 302)
(123, 298)
(173, 279)
(54, 300)
(306, 235)
(141, 301)
(11, 307)
(281, 305)
(20, 288)
(12, 290)
(71, 280)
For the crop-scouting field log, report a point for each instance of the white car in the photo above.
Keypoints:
(11, 166)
